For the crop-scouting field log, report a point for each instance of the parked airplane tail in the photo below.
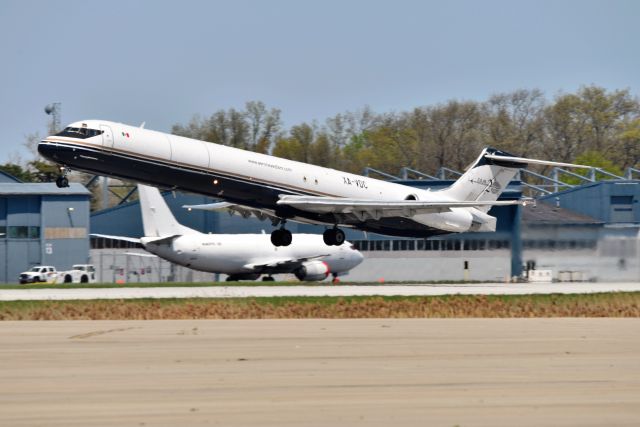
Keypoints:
(157, 219)
(490, 174)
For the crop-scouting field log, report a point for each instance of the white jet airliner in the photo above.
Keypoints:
(280, 190)
(241, 256)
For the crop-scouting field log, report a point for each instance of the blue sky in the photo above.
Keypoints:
(162, 62)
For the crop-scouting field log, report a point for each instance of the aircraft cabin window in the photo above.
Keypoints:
(81, 133)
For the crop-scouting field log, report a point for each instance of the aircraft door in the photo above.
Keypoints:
(107, 136)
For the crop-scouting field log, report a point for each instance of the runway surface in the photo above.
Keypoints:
(306, 290)
(412, 372)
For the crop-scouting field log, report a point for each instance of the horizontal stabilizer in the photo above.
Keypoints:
(141, 255)
(524, 161)
(121, 238)
(160, 240)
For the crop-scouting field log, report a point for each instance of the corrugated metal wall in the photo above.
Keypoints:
(22, 248)
(608, 201)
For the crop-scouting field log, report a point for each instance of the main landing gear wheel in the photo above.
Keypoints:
(333, 237)
(281, 237)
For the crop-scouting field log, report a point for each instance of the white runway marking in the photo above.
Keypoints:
(315, 291)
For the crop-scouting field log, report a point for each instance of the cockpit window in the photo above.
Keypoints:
(81, 133)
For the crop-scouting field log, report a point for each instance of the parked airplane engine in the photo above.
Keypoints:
(457, 220)
(312, 270)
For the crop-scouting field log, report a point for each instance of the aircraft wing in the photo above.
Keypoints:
(123, 238)
(280, 265)
(243, 211)
(381, 208)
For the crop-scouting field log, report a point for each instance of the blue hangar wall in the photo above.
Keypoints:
(41, 224)
(612, 202)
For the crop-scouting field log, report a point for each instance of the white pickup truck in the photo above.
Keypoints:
(39, 274)
(79, 273)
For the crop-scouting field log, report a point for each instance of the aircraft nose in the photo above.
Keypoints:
(47, 149)
(358, 256)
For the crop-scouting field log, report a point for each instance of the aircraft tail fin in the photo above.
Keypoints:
(157, 218)
(490, 174)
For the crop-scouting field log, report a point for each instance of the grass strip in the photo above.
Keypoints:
(617, 304)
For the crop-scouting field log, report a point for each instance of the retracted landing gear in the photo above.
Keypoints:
(281, 237)
(62, 181)
(333, 236)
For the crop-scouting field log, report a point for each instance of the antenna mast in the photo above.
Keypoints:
(53, 110)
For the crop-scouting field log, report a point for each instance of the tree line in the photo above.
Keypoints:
(594, 126)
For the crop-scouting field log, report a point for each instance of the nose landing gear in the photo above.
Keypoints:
(333, 236)
(62, 181)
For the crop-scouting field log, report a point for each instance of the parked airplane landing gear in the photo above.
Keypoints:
(62, 181)
(281, 237)
(333, 236)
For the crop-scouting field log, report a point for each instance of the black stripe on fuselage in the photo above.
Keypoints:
(243, 191)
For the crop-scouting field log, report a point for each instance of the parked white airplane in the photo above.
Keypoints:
(281, 190)
(241, 256)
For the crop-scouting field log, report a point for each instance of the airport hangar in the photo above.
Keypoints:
(584, 232)
(41, 224)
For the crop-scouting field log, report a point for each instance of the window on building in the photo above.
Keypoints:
(101, 243)
(18, 232)
(34, 232)
(3, 232)
(621, 200)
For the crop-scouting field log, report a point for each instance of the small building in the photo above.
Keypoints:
(41, 224)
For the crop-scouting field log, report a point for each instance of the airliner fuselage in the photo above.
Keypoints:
(242, 177)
